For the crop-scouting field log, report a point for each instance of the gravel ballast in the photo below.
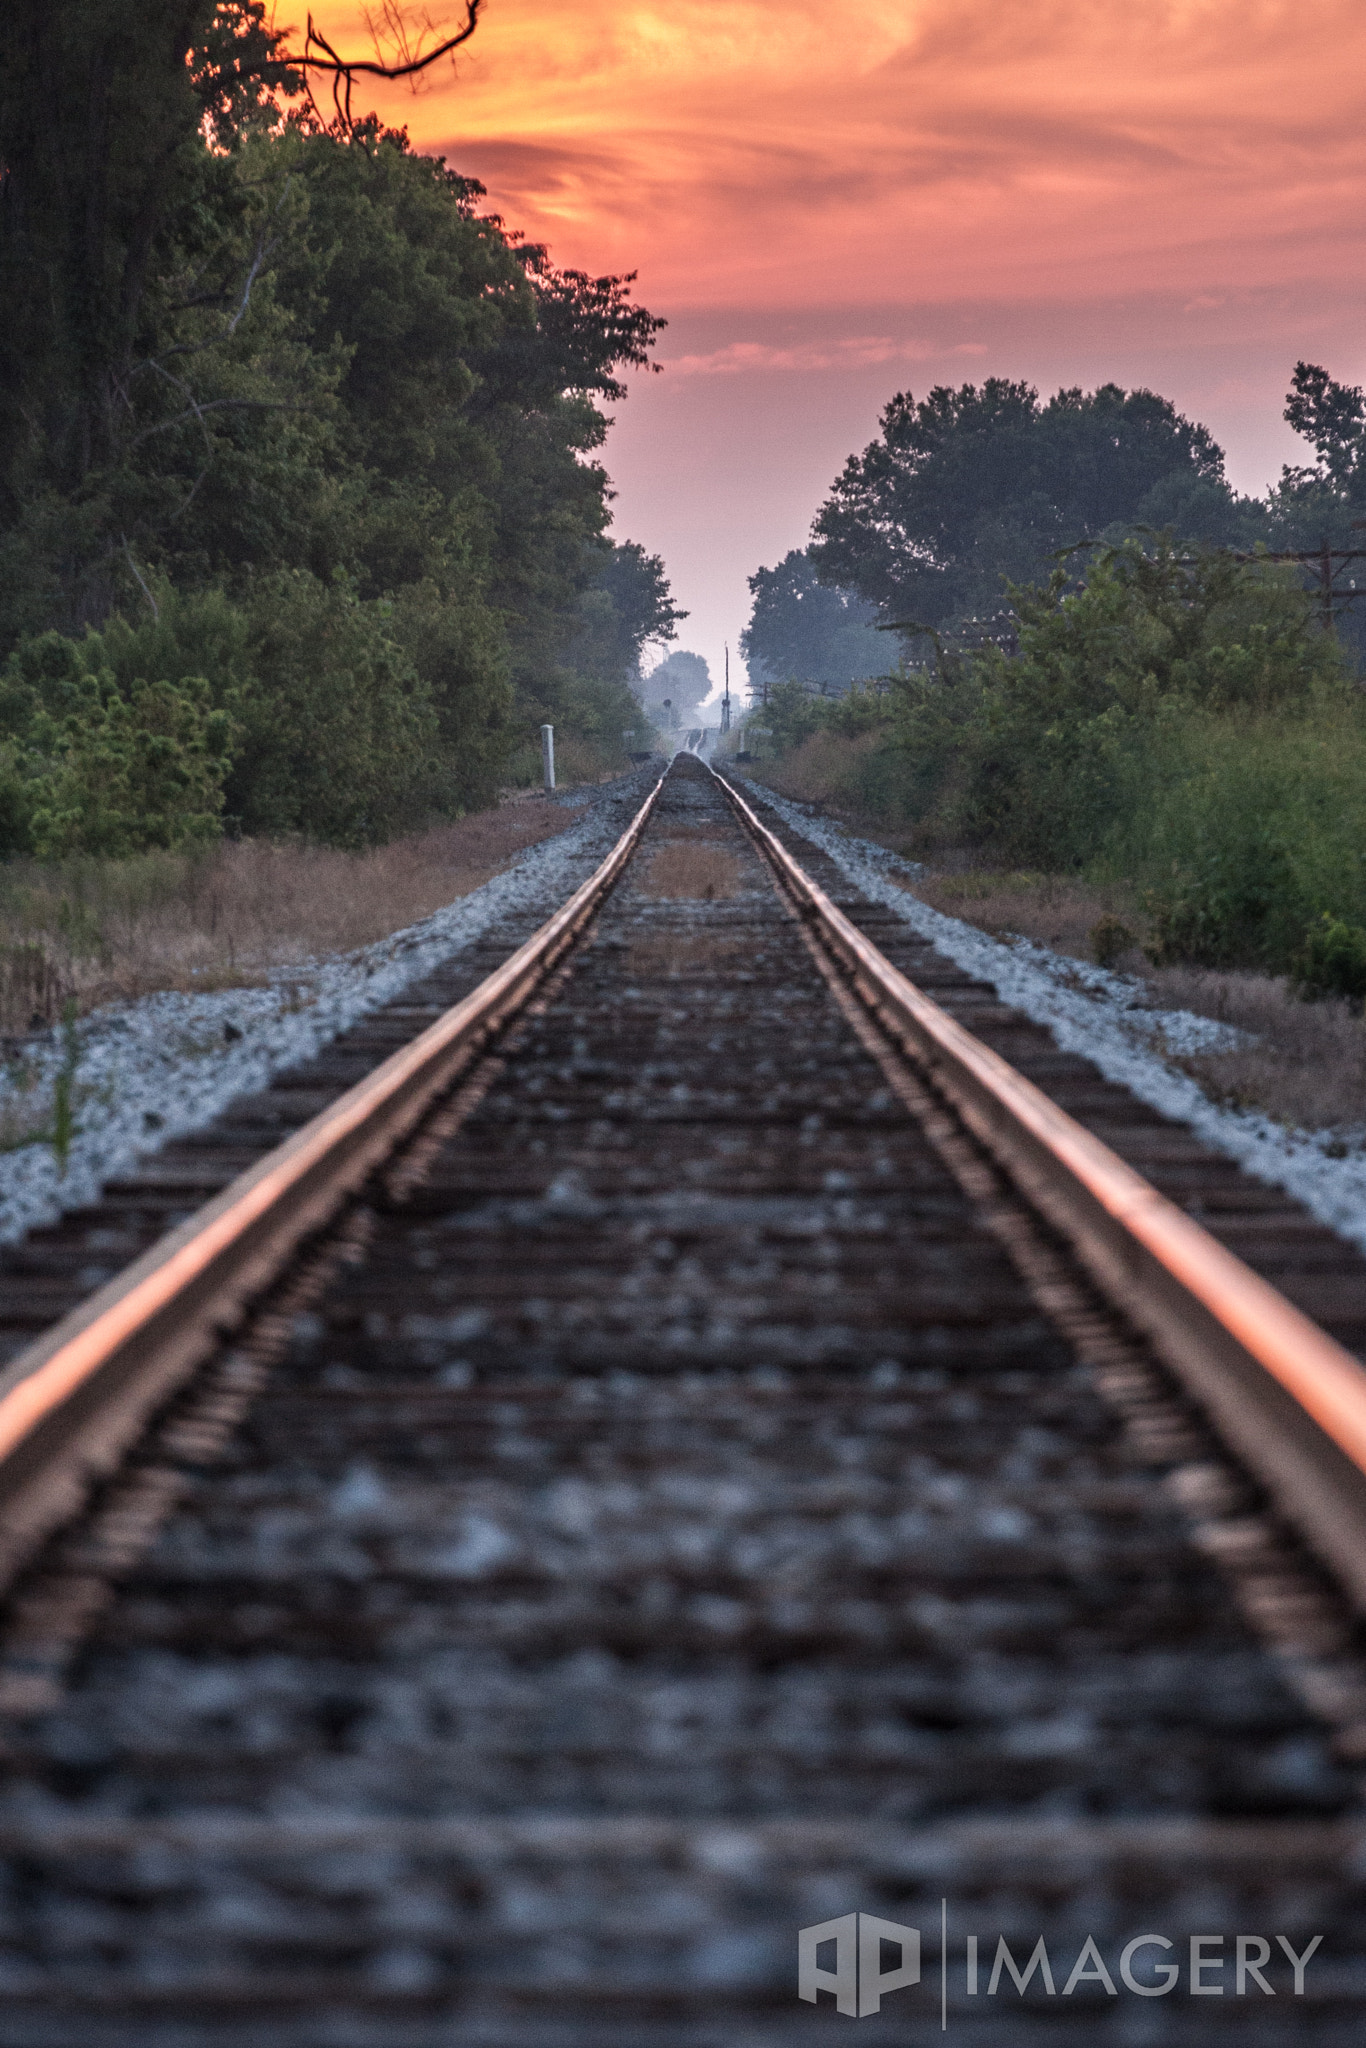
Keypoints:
(1102, 1017)
(151, 1070)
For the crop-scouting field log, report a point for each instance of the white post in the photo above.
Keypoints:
(548, 756)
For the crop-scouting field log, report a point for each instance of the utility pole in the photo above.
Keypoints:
(725, 701)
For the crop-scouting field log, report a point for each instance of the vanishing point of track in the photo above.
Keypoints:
(693, 1445)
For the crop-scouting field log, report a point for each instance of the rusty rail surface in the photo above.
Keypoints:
(1288, 1399)
(71, 1403)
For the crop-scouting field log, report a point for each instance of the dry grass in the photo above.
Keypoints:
(1308, 1067)
(684, 868)
(826, 770)
(577, 762)
(97, 931)
(1056, 910)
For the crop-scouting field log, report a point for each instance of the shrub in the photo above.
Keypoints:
(1110, 939)
(1037, 759)
(93, 766)
(1332, 961)
(340, 739)
(1244, 827)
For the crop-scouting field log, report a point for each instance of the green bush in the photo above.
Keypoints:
(1332, 961)
(1186, 727)
(794, 714)
(1244, 827)
(133, 773)
(1038, 758)
(93, 766)
(340, 736)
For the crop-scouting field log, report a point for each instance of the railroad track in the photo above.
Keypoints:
(691, 1447)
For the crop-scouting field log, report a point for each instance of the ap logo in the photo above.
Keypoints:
(858, 1980)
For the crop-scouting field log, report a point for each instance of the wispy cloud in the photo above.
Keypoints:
(738, 357)
(913, 150)
(855, 351)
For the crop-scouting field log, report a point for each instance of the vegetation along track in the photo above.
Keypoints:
(700, 1472)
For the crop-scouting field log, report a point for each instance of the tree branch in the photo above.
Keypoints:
(319, 55)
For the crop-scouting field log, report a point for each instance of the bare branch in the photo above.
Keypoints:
(319, 55)
(141, 580)
(376, 68)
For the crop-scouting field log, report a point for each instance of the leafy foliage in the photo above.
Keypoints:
(94, 767)
(1332, 961)
(1033, 754)
(1332, 418)
(282, 395)
(970, 487)
(1188, 727)
(800, 630)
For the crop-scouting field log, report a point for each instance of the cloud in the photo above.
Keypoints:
(855, 351)
(939, 150)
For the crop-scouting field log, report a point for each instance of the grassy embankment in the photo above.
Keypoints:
(87, 932)
(1170, 780)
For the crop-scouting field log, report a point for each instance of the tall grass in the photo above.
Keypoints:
(577, 761)
(89, 931)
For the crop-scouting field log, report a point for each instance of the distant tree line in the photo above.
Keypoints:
(966, 491)
(1169, 718)
(302, 525)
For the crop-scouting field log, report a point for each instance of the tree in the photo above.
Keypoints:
(1332, 418)
(969, 487)
(1324, 500)
(627, 605)
(685, 680)
(274, 366)
(803, 630)
(547, 494)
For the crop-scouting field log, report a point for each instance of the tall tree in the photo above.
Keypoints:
(303, 378)
(966, 488)
(801, 630)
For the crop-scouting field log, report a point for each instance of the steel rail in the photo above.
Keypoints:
(1288, 1399)
(73, 1401)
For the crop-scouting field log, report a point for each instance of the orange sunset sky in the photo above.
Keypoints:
(831, 203)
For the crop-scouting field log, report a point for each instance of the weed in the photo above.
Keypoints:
(686, 868)
(31, 986)
(80, 929)
(56, 1125)
(1110, 939)
(64, 1089)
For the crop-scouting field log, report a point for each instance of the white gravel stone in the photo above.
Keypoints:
(154, 1069)
(1100, 1015)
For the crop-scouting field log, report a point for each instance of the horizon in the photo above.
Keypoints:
(1168, 200)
